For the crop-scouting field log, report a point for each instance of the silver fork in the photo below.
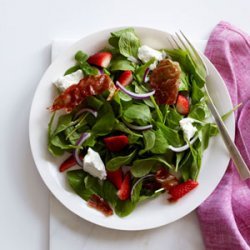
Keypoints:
(181, 42)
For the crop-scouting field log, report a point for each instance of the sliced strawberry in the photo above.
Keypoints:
(182, 104)
(180, 190)
(100, 204)
(124, 192)
(125, 78)
(68, 163)
(116, 143)
(115, 177)
(101, 59)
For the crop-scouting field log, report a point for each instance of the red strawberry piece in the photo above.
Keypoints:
(115, 177)
(125, 78)
(68, 163)
(100, 204)
(182, 104)
(116, 143)
(101, 59)
(124, 192)
(180, 190)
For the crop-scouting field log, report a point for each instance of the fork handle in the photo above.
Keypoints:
(233, 150)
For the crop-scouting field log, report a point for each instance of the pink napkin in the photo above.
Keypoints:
(225, 215)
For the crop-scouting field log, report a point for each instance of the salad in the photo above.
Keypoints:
(133, 120)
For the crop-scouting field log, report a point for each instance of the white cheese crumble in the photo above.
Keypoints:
(64, 82)
(187, 127)
(145, 53)
(93, 164)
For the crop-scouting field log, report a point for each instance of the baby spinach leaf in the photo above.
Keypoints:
(173, 118)
(93, 185)
(140, 71)
(129, 44)
(199, 111)
(197, 94)
(109, 193)
(76, 181)
(121, 63)
(105, 121)
(64, 121)
(136, 192)
(94, 102)
(184, 85)
(123, 128)
(161, 143)
(143, 166)
(124, 208)
(119, 161)
(149, 141)
(120, 32)
(80, 56)
(88, 69)
(59, 141)
(139, 113)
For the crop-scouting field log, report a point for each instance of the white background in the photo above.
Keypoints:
(26, 30)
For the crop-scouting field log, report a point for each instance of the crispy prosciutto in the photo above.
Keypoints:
(88, 86)
(165, 80)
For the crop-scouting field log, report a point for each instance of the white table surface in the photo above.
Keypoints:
(26, 30)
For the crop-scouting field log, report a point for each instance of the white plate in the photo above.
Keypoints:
(147, 215)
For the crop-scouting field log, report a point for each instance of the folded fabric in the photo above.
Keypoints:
(225, 216)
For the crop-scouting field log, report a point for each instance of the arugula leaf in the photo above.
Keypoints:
(119, 161)
(76, 181)
(123, 128)
(143, 166)
(161, 143)
(196, 94)
(64, 121)
(173, 118)
(149, 141)
(59, 141)
(184, 85)
(188, 65)
(199, 111)
(139, 113)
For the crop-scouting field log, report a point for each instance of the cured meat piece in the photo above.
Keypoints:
(165, 79)
(88, 86)
(100, 204)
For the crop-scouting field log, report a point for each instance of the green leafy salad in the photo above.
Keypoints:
(134, 121)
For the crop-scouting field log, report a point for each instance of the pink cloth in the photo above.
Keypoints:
(225, 216)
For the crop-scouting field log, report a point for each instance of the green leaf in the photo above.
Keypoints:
(120, 32)
(93, 185)
(105, 121)
(119, 161)
(173, 118)
(88, 69)
(226, 115)
(109, 193)
(129, 44)
(161, 143)
(197, 94)
(184, 85)
(80, 56)
(140, 71)
(143, 166)
(124, 97)
(119, 126)
(199, 111)
(138, 113)
(149, 141)
(72, 70)
(124, 208)
(76, 181)
(94, 102)
(136, 192)
(64, 121)
(179, 157)
(59, 141)
(121, 63)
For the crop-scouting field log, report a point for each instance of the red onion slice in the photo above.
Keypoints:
(134, 95)
(146, 75)
(183, 148)
(82, 139)
(92, 111)
(139, 128)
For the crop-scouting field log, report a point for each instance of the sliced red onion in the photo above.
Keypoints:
(82, 139)
(141, 179)
(134, 95)
(92, 111)
(183, 148)
(139, 128)
(145, 76)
